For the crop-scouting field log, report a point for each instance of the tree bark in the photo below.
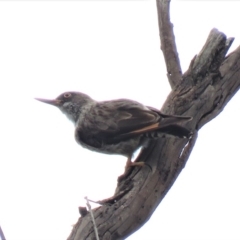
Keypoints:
(201, 92)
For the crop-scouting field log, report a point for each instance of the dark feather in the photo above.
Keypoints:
(114, 121)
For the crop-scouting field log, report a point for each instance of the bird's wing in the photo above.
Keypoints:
(108, 121)
(113, 121)
(122, 116)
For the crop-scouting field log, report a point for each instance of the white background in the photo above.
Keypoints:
(107, 49)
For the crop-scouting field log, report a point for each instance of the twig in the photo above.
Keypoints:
(93, 220)
(1, 234)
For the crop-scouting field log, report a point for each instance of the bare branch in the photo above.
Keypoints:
(2, 237)
(168, 44)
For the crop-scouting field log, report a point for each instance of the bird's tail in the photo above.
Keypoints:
(174, 130)
(172, 125)
(167, 124)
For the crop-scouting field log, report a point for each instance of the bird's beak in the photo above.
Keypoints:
(53, 102)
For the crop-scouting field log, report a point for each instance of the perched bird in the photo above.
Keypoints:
(118, 126)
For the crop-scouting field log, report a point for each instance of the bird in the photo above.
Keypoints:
(118, 126)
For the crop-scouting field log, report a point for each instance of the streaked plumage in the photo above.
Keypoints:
(118, 126)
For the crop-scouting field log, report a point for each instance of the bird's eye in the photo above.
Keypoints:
(67, 95)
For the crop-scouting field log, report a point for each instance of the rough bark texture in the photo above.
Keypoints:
(202, 92)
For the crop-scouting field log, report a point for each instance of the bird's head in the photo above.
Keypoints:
(70, 103)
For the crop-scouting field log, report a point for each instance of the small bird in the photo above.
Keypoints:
(118, 126)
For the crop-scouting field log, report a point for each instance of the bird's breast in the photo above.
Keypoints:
(92, 143)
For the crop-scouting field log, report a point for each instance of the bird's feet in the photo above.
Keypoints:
(129, 164)
(128, 168)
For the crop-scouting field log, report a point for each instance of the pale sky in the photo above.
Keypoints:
(108, 50)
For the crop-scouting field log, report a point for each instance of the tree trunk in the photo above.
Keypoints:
(201, 92)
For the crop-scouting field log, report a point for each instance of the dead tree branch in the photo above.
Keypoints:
(208, 85)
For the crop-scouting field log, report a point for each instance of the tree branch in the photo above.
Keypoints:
(168, 45)
(2, 237)
(206, 87)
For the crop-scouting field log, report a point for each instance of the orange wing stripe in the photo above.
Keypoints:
(148, 128)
